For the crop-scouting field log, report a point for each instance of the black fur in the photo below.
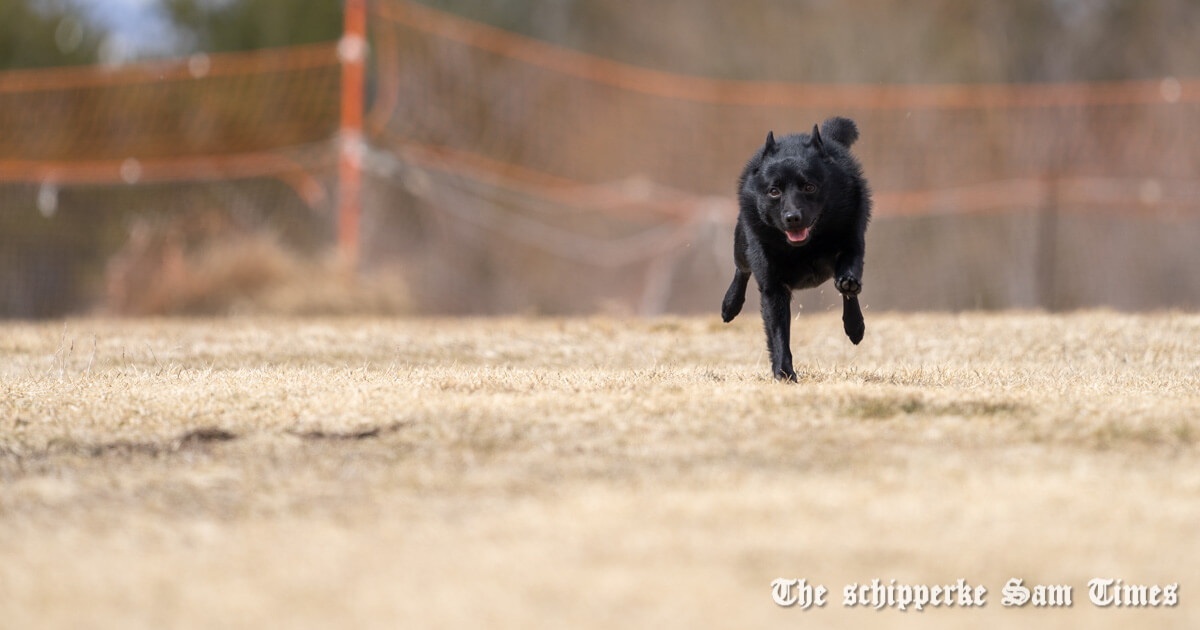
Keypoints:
(804, 207)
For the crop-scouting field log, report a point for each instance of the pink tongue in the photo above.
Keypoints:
(797, 235)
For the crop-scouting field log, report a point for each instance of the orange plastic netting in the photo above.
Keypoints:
(470, 129)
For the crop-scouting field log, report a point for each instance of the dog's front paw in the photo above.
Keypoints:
(849, 285)
(786, 374)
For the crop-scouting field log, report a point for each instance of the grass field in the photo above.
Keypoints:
(592, 473)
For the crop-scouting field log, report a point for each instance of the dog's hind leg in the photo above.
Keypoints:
(852, 318)
(735, 297)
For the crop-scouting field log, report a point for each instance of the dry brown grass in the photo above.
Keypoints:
(599, 473)
(199, 264)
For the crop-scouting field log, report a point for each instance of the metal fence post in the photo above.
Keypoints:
(352, 50)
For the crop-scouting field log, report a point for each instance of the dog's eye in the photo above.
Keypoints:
(810, 188)
(774, 192)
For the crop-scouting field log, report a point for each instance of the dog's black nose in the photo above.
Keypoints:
(792, 219)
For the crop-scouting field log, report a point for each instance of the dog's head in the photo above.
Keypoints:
(791, 181)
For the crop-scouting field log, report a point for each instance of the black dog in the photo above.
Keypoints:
(804, 207)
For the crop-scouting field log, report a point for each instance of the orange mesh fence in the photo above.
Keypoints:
(981, 191)
(97, 163)
(506, 174)
(475, 88)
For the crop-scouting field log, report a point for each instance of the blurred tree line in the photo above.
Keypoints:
(47, 33)
(868, 41)
(785, 40)
(36, 34)
(251, 24)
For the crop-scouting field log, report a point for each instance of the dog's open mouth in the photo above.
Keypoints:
(798, 236)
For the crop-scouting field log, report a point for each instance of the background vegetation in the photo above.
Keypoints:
(58, 243)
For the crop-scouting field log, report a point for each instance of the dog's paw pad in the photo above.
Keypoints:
(849, 285)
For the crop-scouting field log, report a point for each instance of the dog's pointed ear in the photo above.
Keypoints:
(769, 147)
(816, 141)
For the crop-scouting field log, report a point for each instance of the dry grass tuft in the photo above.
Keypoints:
(160, 272)
(588, 473)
